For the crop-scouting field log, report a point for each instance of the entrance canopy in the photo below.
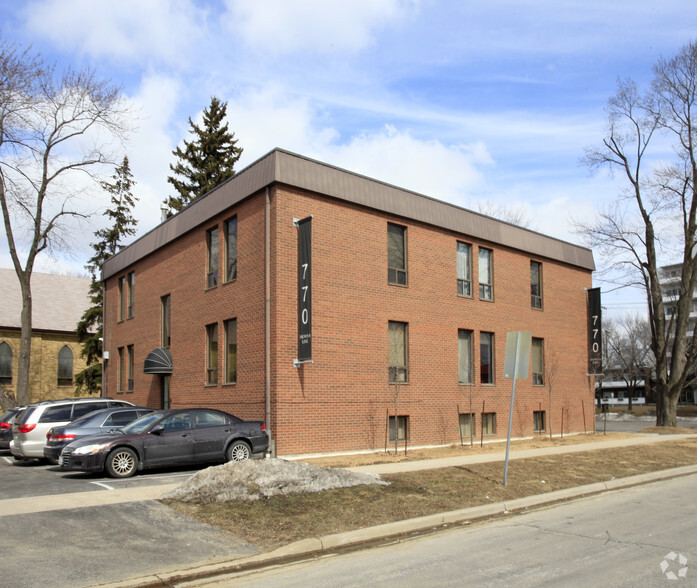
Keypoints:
(158, 361)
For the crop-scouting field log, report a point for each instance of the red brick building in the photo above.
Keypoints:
(402, 293)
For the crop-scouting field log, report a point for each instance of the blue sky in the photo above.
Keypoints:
(476, 103)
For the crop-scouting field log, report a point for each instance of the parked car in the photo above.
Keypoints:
(6, 421)
(31, 425)
(167, 438)
(93, 423)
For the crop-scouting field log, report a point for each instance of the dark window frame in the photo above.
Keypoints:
(398, 360)
(6, 357)
(212, 354)
(486, 288)
(539, 421)
(536, 285)
(212, 241)
(403, 428)
(66, 366)
(166, 320)
(230, 250)
(464, 269)
(537, 349)
(122, 297)
(470, 356)
(131, 352)
(397, 274)
(230, 355)
(131, 281)
(487, 377)
(488, 424)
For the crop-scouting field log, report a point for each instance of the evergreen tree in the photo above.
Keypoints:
(206, 161)
(90, 329)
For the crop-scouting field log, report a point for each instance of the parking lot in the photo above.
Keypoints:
(33, 478)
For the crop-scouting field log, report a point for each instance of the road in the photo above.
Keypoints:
(618, 539)
(627, 424)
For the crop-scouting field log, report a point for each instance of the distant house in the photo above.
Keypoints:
(58, 305)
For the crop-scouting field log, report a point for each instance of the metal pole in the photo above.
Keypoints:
(510, 414)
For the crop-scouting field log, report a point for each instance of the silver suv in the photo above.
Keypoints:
(30, 427)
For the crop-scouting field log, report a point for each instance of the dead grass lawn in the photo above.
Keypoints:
(281, 520)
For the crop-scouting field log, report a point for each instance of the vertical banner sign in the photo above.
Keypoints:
(595, 332)
(305, 289)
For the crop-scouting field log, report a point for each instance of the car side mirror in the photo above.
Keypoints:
(157, 430)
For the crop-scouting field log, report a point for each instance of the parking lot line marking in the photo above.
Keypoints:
(103, 485)
(7, 459)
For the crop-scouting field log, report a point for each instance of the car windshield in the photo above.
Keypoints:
(141, 424)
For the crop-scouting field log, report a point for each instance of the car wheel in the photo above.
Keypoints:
(122, 463)
(238, 451)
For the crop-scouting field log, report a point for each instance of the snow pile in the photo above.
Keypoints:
(260, 478)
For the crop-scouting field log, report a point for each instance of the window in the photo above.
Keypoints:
(212, 265)
(122, 372)
(538, 361)
(489, 423)
(204, 419)
(120, 419)
(486, 282)
(131, 365)
(467, 425)
(231, 249)
(131, 293)
(231, 351)
(56, 414)
(122, 298)
(165, 309)
(536, 284)
(486, 358)
(80, 409)
(397, 333)
(464, 356)
(538, 417)
(5, 363)
(464, 269)
(402, 428)
(65, 366)
(396, 255)
(177, 422)
(212, 354)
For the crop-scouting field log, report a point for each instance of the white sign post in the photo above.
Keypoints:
(516, 367)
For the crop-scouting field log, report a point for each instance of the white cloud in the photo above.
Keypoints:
(280, 26)
(130, 30)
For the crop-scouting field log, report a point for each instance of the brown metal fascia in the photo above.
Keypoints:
(301, 172)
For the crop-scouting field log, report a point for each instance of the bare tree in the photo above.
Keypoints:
(628, 344)
(51, 126)
(552, 365)
(516, 215)
(656, 214)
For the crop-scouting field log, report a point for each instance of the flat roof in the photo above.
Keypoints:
(284, 167)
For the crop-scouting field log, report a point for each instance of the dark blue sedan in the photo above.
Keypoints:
(167, 438)
(97, 422)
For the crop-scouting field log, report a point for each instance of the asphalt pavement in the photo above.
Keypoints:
(124, 537)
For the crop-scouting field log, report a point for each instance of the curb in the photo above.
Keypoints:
(389, 532)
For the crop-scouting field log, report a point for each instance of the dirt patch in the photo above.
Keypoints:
(279, 520)
(476, 448)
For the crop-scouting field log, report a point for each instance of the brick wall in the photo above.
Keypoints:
(341, 401)
(43, 372)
